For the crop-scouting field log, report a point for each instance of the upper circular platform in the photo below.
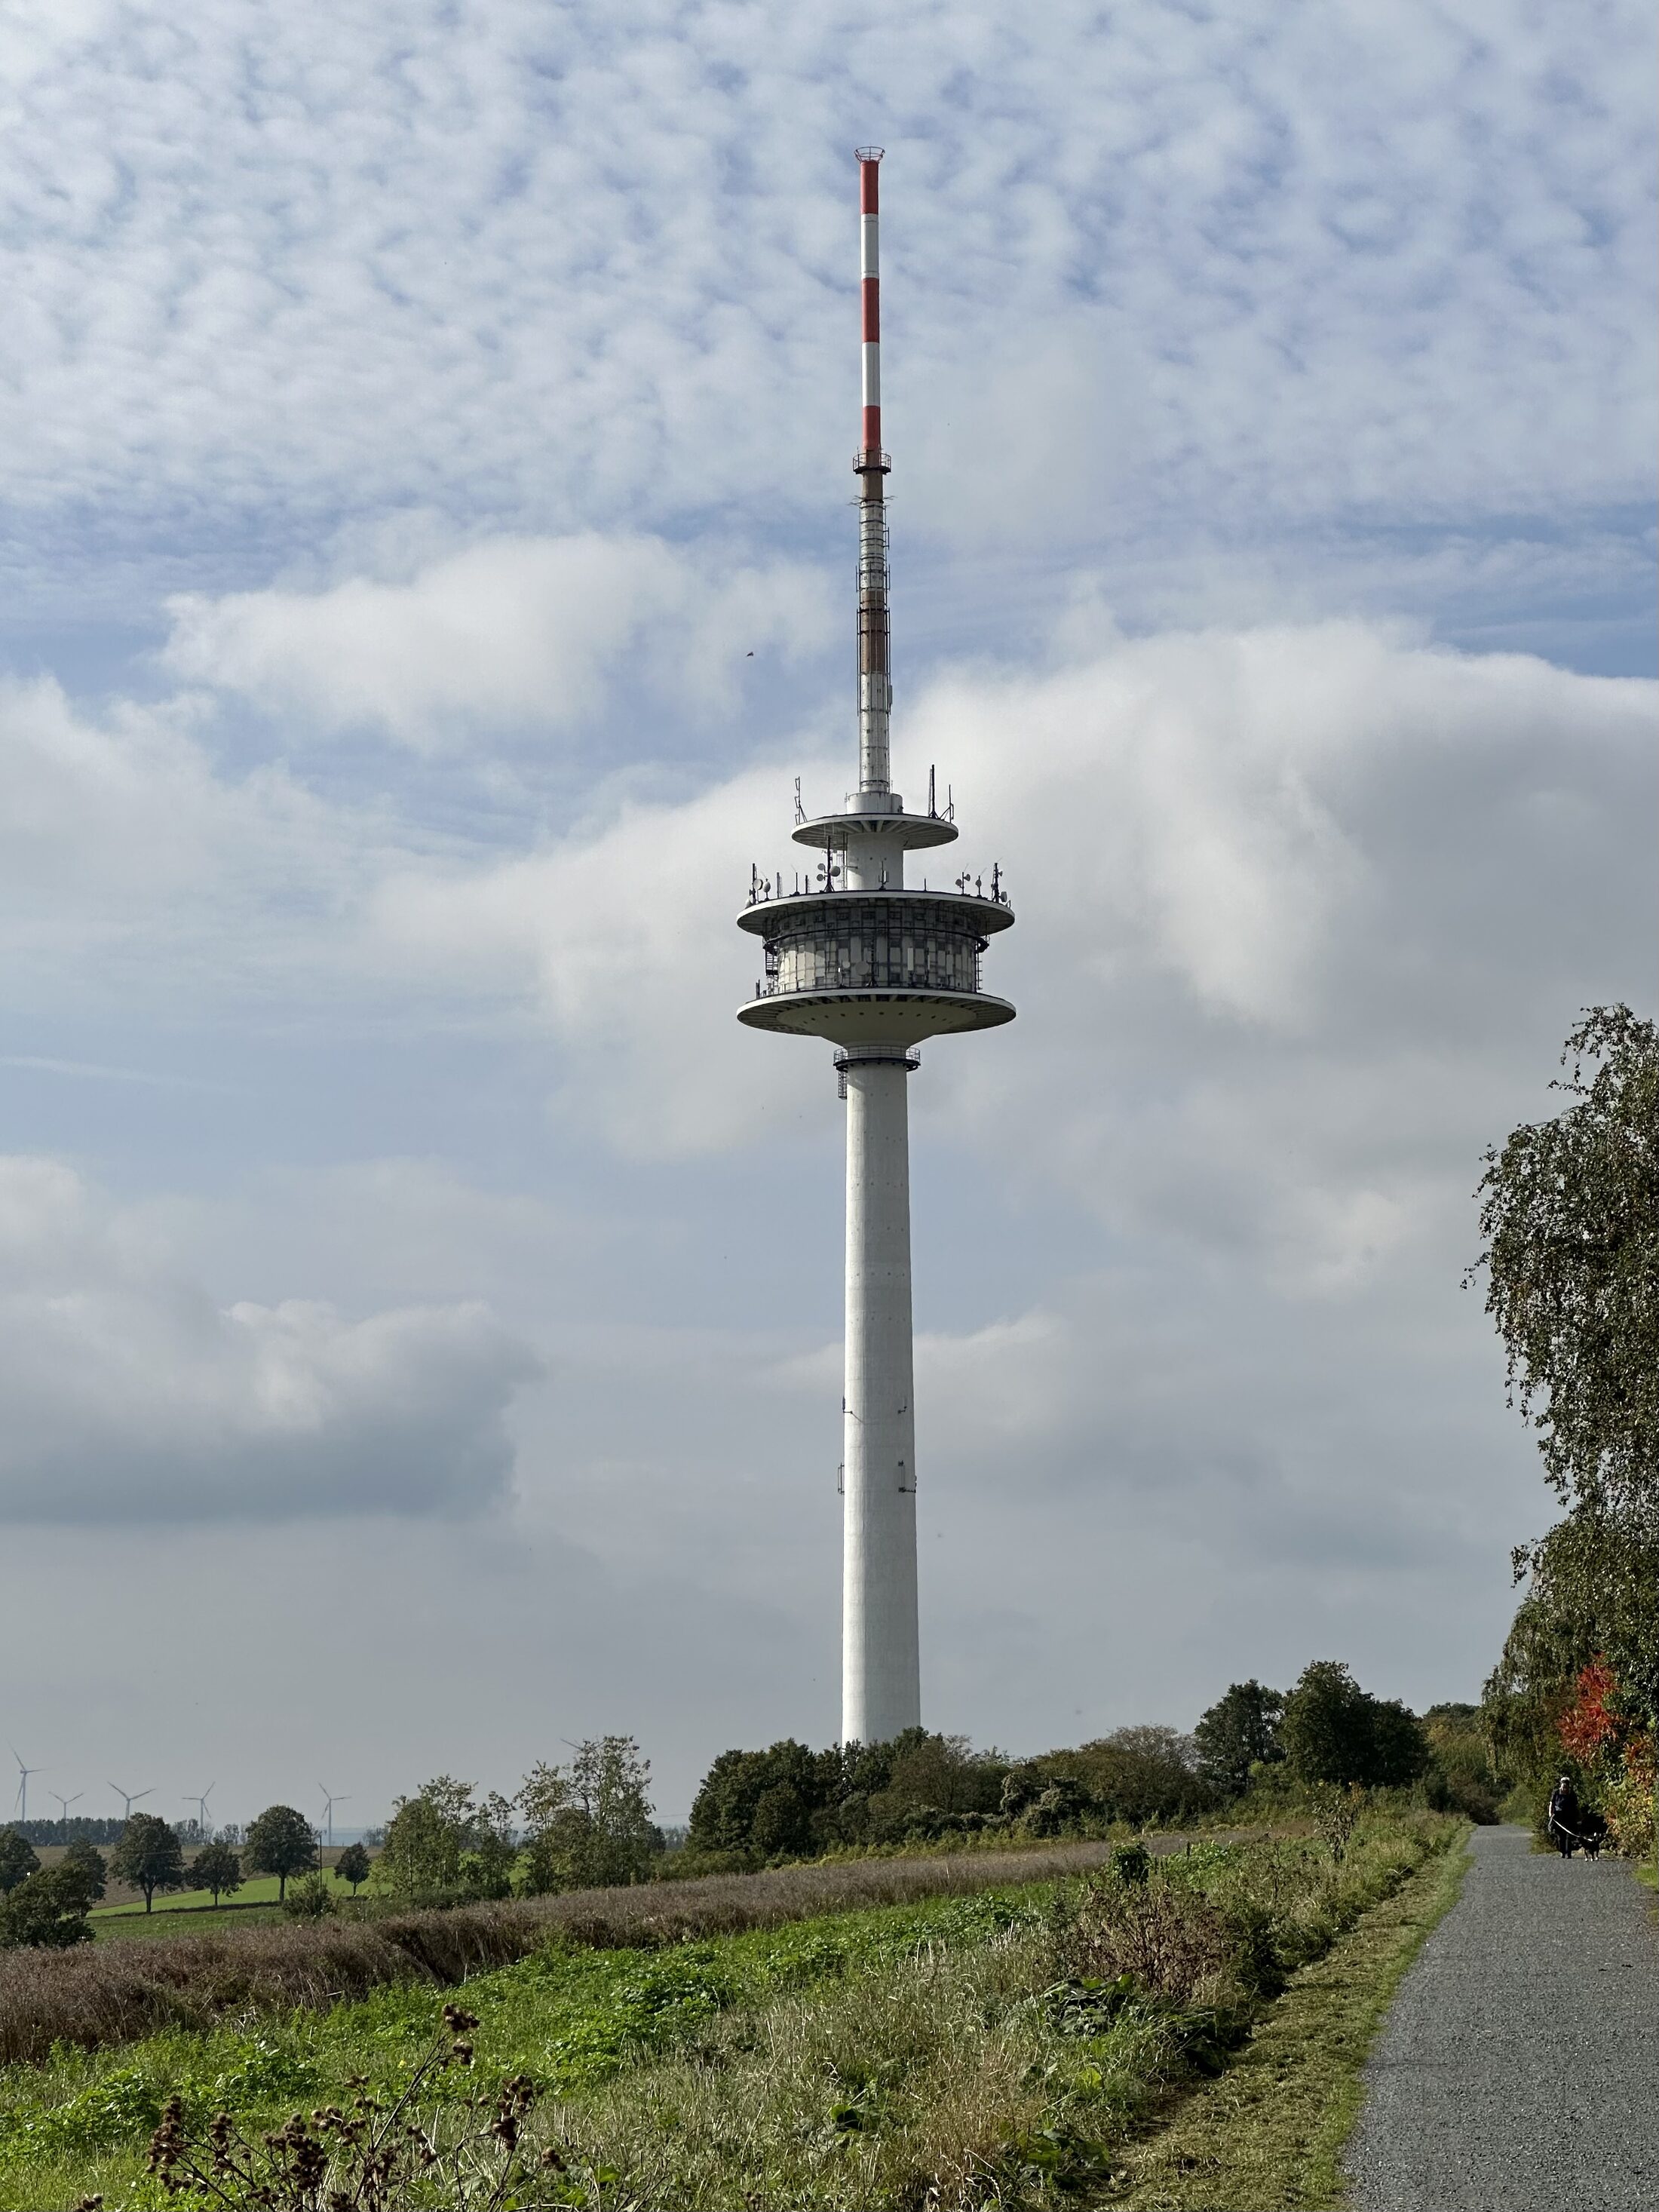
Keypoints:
(961, 912)
(907, 833)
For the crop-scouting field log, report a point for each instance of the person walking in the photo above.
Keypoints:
(1566, 1819)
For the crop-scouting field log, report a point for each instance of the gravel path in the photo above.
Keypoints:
(1519, 2066)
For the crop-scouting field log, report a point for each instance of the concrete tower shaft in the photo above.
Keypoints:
(856, 954)
(881, 1660)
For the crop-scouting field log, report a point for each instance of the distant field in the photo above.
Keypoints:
(258, 1891)
(253, 1904)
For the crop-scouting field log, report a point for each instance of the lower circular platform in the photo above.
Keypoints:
(875, 1016)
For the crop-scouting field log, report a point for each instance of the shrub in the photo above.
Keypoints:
(1131, 1863)
(312, 1898)
(1169, 1941)
(1627, 1802)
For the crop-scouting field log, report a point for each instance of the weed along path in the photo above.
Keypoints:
(1519, 2066)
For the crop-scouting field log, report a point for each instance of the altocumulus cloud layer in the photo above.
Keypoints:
(1249, 276)
(424, 437)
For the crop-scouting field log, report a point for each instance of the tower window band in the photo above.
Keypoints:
(854, 943)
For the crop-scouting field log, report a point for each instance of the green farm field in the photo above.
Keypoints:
(255, 1905)
(948, 2050)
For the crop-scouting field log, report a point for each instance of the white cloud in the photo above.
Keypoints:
(511, 632)
(134, 867)
(1308, 858)
(127, 1393)
(1151, 274)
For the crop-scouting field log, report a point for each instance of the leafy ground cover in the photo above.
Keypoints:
(995, 2047)
(116, 1992)
(570, 2017)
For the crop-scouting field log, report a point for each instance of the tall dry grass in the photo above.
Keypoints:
(116, 1992)
(899, 2087)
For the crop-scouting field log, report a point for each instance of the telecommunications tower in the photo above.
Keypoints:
(855, 954)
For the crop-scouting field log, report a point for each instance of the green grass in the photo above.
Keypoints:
(125, 1926)
(570, 2017)
(256, 1904)
(943, 2051)
(1270, 2132)
(261, 1889)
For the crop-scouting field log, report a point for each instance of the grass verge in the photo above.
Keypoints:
(1271, 2129)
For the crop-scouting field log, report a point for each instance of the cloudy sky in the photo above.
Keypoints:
(420, 1301)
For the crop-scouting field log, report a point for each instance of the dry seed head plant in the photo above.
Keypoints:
(419, 2148)
(1172, 1942)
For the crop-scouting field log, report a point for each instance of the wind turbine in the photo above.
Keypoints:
(65, 1802)
(200, 1803)
(129, 1797)
(329, 1801)
(23, 1774)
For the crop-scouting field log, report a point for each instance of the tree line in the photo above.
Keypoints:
(759, 1808)
(1570, 1220)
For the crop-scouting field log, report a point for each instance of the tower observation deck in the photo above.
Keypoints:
(859, 955)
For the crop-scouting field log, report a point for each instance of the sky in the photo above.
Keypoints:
(425, 443)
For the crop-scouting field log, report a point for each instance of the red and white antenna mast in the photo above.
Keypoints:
(875, 662)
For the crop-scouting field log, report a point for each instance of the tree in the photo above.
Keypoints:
(1570, 1212)
(149, 1857)
(590, 1825)
(354, 1865)
(216, 1866)
(47, 1911)
(1336, 1732)
(1239, 1731)
(18, 1859)
(1138, 1774)
(1593, 1591)
(281, 1842)
(425, 1840)
(95, 1872)
(793, 1782)
(940, 1773)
